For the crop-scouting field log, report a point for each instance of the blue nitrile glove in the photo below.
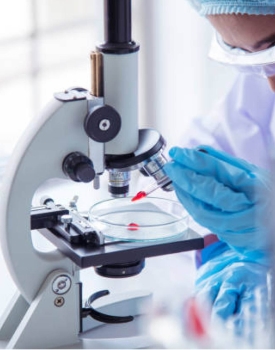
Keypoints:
(232, 284)
(227, 195)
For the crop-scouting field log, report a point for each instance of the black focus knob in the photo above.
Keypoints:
(78, 167)
(102, 124)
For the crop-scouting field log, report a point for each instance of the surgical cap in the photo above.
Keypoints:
(250, 7)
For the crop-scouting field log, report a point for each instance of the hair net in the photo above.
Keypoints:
(250, 7)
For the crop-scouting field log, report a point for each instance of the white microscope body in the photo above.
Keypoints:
(46, 313)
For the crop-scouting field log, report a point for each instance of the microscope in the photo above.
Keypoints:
(80, 135)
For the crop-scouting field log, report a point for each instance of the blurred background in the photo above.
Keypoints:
(45, 46)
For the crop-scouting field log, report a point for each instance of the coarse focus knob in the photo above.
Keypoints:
(102, 124)
(78, 167)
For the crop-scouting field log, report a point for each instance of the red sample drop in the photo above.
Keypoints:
(133, 226)
(138, 196)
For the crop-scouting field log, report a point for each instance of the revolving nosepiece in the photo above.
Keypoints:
(148, 158)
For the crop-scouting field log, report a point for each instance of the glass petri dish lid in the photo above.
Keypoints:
(147, 220)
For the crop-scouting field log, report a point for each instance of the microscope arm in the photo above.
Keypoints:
(37, 158)
(70, 124)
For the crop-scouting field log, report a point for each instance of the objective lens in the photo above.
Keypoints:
(119, 183)
(154, 168)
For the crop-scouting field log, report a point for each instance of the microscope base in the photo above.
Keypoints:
(12, 316)
(127, 336)
(44, 324)
(50, 320)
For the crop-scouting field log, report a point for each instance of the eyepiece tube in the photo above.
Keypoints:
(118, 24)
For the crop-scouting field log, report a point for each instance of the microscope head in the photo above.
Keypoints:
(114, 124)
(107, 150)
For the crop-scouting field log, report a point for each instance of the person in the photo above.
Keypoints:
(223, 175)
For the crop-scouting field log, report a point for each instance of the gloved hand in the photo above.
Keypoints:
(227, 195)
(233, 285)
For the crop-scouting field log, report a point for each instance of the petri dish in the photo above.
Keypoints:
(147, 220)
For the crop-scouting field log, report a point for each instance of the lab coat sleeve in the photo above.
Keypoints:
(240, 123)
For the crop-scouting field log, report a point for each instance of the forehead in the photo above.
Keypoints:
(243, 30)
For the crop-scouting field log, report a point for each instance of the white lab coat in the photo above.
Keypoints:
(242, 123)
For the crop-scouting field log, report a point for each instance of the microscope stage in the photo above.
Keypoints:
(116, 252)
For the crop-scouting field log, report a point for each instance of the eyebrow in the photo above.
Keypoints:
(268, 39)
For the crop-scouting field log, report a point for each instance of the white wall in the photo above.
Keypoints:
(178, 81)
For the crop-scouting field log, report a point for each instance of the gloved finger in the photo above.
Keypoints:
(246, 304)
(206, 189)
(226, 157)
(249, 168)
(203, 163)
(206, 293)
(217, 221)
(208, 216)
(226, 303)
(250, 313)
(255, 302)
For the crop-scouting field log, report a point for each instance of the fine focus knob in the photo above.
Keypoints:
(78, 167)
